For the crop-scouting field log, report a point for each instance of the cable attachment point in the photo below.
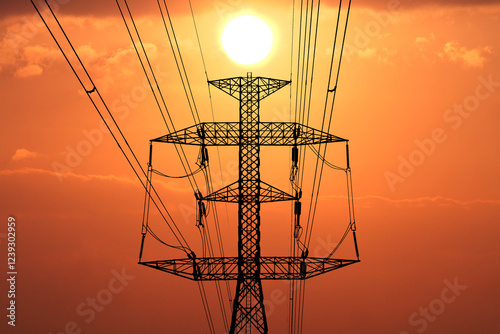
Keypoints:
(203, 157)
(303, 269)
(296, 132)
(297, 212)
(91, 91)
(298, 194)
(202, 212)
(198, 195)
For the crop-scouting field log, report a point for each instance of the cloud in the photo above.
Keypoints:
(80, 177)
(408, 4)
(383, 55)
(27, 61)
(367, 53)
(456, 53)
(421, 40)
(422, 201)
(22, 154)
(368, 200)
(28, 71)
(90, 177)
(108, 8)
(98, 8)
(19, 52)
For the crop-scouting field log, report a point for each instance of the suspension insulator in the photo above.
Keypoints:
(142, 246)
(202, 212)
(150, 153)
(297, 211)
(204, 156)
(298, 208)
(295, 156)
(202, 209)
(347, 154)
(355, 243)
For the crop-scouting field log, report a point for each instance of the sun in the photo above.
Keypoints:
(247, 39)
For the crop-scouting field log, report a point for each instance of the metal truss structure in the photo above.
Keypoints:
(249, 191)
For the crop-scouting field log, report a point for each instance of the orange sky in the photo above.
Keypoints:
(418, 98)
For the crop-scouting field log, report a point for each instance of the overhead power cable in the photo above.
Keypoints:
(173, 227)
(209, 177)
(322, 158)
(184, 79)
(312, 212)
(169, 125)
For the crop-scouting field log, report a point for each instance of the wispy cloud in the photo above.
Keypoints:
(28, 71)
(441, 200)
(81, 177)
(383, 55)
(171, 186)
(456, 53)
(22, 154)
(420, 201)
(26, 57)
(423, 41)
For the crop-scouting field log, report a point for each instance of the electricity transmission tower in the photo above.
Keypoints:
(249, 268)
(249, 191)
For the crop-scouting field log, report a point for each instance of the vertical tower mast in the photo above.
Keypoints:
(248, 307)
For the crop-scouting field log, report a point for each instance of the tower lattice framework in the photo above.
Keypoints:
(249, 268)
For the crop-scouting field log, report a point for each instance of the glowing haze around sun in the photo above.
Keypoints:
(247, 39)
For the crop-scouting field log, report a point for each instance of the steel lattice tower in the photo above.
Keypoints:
(249, 267)
(248, 309)
(249, 191)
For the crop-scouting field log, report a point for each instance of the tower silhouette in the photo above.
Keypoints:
(249, 191)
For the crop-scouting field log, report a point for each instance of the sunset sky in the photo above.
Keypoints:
(418, 98)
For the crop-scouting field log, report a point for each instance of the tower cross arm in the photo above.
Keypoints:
(268, 193)
(271, 267)
(261, 86)
(209, 134)
(228, 134)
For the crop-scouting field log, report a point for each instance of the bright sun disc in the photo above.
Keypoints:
(247, 39)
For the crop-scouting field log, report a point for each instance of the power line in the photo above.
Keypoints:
(308, 226)
(216, 216)
(308, 240)
(209, 177)
(191, 102)
(179, 149)
(190, 173)
(184, 245)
